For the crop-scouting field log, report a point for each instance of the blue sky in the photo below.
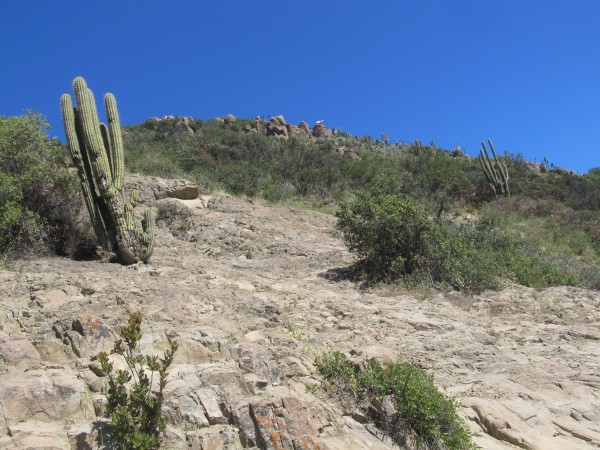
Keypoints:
(525, 73)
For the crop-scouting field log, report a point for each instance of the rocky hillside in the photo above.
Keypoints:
(251, 292)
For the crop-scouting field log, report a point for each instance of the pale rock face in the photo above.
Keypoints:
(522, 364)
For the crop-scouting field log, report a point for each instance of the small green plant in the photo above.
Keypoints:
(183, 225)
(133, 406)
(311, 388)
(175, 214)
(169, 209)
(417, 402)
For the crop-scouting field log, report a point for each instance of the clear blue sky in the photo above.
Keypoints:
(525, 73)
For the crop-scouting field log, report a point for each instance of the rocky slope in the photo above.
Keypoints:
(252, 292)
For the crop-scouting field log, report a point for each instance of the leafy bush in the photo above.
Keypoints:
(135, 410)
(39, 197)
(389, 233)
(419, 405)
(394, 238)
(456, 255)
(540, 247)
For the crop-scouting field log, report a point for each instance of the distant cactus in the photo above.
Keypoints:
(97, 152)
(495, 171)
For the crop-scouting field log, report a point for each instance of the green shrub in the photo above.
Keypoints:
(135, 409)
(395, 239)
(388, 233)
(419, 404)
(533, 249)
(39, 196)
(456, 255)
(171, 209)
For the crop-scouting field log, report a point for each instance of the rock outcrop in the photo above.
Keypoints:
(523, 364)
(320, 130)
(276, 127)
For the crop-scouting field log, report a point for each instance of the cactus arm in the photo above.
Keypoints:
(490, 166)
(486, 171)
(83, 170)
(92, 137)
(502, 169)
(495, 171)
(105, 140)
(116, 141)
(149, 226)
(504, 174)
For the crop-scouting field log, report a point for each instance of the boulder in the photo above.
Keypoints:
(280, 120)
(321, 130)
(293, 130)
(53, 395)
(304, 127)
(16, 350)
(276, 129)
(281, 423)
(229, 119)
(181, 129)
(180, 189)
(90, 336)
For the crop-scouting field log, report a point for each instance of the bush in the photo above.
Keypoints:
(171, 209)
(419, 406)
(389, 233)
(39, 197)
(456, 255)
(135, 410)
(394, 238)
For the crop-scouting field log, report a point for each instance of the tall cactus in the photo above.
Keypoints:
(97, 152)
(495, 171)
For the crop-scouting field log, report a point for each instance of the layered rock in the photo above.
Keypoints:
(521, 363)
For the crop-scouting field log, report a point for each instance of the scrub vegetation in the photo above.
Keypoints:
(412, 213)
(400, 398)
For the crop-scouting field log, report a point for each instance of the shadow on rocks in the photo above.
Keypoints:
(349, 273)
(102, 430)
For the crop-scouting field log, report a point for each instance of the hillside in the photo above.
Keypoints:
(252, 291)
(546, 234)
(293, 257)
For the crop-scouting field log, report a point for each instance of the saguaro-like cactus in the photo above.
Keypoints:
(97, 152)
(495, 171)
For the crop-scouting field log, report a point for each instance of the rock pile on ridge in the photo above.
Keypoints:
(275, 127)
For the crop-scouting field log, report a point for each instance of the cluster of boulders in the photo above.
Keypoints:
(182, 124)
(277, 127)
(544, 168)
